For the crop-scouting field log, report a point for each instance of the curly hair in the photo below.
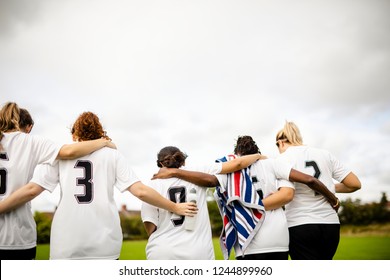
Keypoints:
(245, 145)
(88, 127)
(171, 157)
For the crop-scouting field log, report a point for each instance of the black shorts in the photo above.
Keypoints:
(314, 241)
(26, 254)
(265, 256)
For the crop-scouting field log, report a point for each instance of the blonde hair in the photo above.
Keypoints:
(290, 133)
(9, 118)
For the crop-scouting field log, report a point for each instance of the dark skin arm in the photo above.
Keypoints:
(316, 185)
(150, 228)
(207, 180)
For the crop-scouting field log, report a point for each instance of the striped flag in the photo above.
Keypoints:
(241, 209)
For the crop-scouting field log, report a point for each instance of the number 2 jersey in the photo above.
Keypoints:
(308, 207)
(20, 155)
(171, 241)
(86, 224)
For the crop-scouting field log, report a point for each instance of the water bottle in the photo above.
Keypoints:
(189, 222)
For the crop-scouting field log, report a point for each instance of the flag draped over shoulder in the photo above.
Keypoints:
(241, 209)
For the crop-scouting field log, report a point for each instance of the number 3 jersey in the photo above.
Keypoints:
(308, 207)
(86, 224)
(171, 241)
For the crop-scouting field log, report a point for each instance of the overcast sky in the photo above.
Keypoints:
(197, 74)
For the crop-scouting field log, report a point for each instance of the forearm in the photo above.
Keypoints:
(278, 199)
(20, 197)
(197, 178)
(152, 197)
(79, 149)
(240, 163)
(313, 183)
(350, 184)
(341, 188)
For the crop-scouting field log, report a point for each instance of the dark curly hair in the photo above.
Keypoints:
(171, 157)
(88, 127)
(245, 145)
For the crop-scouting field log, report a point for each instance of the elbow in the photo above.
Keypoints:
(289, 195)
(66, 153)
(33, 191)
(139, 190)
(212, 182)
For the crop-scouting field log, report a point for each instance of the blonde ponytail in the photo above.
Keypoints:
(291, 134)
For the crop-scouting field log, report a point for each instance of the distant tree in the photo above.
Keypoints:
(215, 218)
(133, 228)
(356, 213)
(43, 222)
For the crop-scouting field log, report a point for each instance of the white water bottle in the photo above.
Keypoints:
(189, 222)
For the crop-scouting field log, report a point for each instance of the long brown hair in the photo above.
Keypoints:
(9, 118)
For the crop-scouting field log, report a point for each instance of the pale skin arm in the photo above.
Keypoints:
(240, 163)
(20, 197)
(79, 149)
(149, 195)
(278, 199)
(350, 184)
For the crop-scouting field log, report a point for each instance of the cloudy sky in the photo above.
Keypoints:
(196, 74)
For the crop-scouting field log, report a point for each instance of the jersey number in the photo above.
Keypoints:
(317, 171)
(85, 181)
(177, 195)
(3, 181)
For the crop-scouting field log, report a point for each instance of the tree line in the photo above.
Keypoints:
(351, 212)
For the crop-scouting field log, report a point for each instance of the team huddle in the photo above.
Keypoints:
(271, 208)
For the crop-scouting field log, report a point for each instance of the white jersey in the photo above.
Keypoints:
(268, 176)
(86, 224)
(171, 241)
(20, 155)
(308, 207)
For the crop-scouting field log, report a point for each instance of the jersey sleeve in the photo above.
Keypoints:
(339, 171)
(46, 150)
(213, 169)
(47, 176)
(282, 169)
(222, 179)
(125, 176)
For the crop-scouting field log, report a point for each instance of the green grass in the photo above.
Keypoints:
(350, 248)
(363, 248)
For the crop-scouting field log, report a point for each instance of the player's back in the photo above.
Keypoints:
(20, 155)
(171, 240)
(86, 223)
(307, 205)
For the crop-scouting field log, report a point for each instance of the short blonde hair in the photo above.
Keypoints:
(290, 133)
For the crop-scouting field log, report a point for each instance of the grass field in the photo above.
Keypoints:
(350, 248)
